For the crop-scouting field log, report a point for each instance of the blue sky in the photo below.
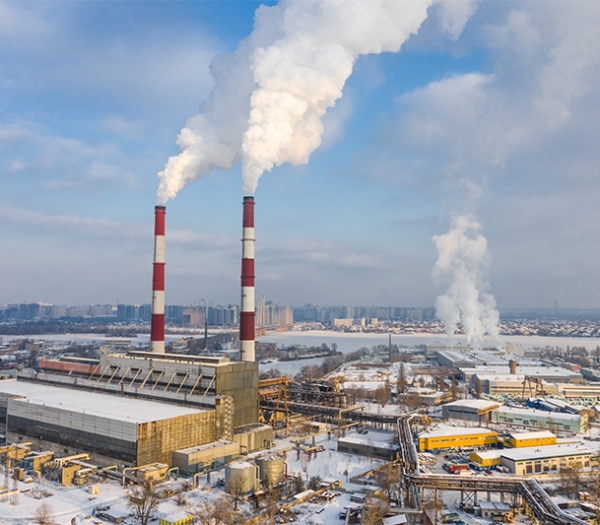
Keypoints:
(93, 95)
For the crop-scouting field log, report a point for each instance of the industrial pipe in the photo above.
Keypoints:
(247, 306)
(157, 325)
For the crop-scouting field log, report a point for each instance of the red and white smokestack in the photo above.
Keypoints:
(157, 324)
(247, 309)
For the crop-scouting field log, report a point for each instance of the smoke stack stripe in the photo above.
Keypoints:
(247, 307)
(157, 325)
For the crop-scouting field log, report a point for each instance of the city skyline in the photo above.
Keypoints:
(490, 109)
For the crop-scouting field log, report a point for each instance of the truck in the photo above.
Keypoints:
(456, 468)
(450, 517)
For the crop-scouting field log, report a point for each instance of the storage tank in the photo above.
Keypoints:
(271, 468)
(241, 477)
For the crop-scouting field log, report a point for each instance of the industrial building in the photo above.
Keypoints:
(423, 396)
(476, 410)
(368, 447)
(542, 459)
(531, 418)
(138, 408)
(504, 372)
(189, 380)
(530, 439)
(109, 428)
(486, 458)
(210, 456)
(446, 437)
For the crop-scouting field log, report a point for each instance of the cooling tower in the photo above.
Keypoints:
(157, 326)
(247, 306)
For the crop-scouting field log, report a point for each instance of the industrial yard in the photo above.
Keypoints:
(390, 434)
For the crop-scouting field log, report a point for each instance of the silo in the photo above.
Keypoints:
(271, 469)
(241, 477)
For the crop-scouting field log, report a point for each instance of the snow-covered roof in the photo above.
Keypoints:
(363, 440)
(549, 451)
(538, 413)
(444, 430)
(97, 404)
(488, 454)
(494, 505)
(540, 434)
(473, 403)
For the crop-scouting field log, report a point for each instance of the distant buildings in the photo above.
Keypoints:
(267, 314)
(327, 314)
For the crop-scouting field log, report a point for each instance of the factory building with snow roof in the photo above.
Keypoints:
(109, 427)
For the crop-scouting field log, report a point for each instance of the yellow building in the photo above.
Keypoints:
(179, 519)
(486, 458)
(445, 437)
(531, 439)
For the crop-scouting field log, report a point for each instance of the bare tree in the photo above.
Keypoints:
(271, 502)
(414, 400)
(43, 515)
(375, 509)
(454, 389)
(383, 395)
(570, 481)
(235, 487)
(388, 478)
(594, 487)
(143, 501)
(214, 512)
(434, 504)
(478, 388)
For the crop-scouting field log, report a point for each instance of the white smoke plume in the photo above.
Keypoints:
(463, 260)
(272, 92)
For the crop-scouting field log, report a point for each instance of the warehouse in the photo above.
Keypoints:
(108, 427)
(486, 458)
(531, 418)
(367, 447)
(531, 439)
(173, 378)
(476, 410)
(532, 460)
(456, 437)
(531, 369)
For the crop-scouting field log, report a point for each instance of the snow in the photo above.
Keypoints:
(542, 452)
(478, 404)
(102, 405)
(540, 434)
(445, 430)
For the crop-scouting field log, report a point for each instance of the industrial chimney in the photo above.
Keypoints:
(157, 324)
(247, 307)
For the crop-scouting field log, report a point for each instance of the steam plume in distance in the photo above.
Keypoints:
(272, 92)
(463, 261)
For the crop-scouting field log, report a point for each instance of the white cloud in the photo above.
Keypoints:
(319, 253)
(48, 47)
(90, 228)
